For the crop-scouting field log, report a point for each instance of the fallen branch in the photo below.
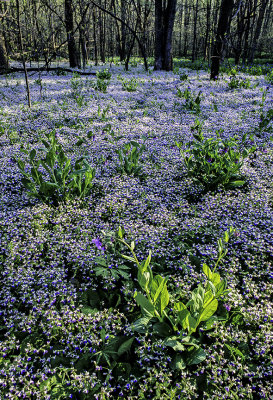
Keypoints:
(4, 71)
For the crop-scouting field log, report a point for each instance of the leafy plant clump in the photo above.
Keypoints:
(239, 83)
(178, 323)
(193, 100)
(214, 161)
(266, 119)
(129, 156)
(130, 85)
(104, 74)
(59, 180)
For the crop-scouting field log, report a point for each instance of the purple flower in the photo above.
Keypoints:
(98, 244)
(227, 307)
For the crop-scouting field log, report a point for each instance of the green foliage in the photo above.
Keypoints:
(183, 76)
(104, 74)
(238, 82)
(103, 80)
(58, 180)
(214, 161)
(129, 156)
(7, 130)
(266, 119)
(102, 113)
(101, 85)
(174, 320)
(269, 77)
(192, 102)
(130, 85)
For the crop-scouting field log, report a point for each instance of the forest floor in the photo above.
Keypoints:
(68, 298)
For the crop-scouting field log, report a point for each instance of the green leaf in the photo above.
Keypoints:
(126, 346)
(208, 311)
(164, 298)
(129, 258)
(183, 318)
(174, 344)
(178, 362)
(236, 183)
(196, 357)
(120, 232)
(32, 154)
(143, 279)
(207, 271)
(147, 308)
(215, 278)
(162, 329)
(141, 325)
(221, 287)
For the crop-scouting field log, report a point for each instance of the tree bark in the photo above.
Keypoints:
(222, 29)
(257, 31)
(4, 64)
(164, 22)
(69, 25)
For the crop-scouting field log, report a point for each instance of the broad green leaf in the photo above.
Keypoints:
(178, 362)
(143, 279)
(208, 298)
(196, 357)
(126, 346)
(221, 287)
(174, 343)
(156, 287)
(215, 278)
(183, 318)
(236, 183)
(192, 324)
(209, 324)
(141, 325)
(208, 311)
(162, 329)
(120, 232)
(32, 154)
(146, 307)
(179, 306)
(207, 271)
(21, 164)
(164, 298)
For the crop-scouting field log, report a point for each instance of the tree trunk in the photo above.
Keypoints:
(257, 31)
(164, 22)
(4, 64)
(222, 29)
(69, 24)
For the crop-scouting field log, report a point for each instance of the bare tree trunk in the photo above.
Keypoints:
(222, 29)
(194, 55)
(69, 24)
(4, 64)
(164, 22)
(257, 31)
(22, 51)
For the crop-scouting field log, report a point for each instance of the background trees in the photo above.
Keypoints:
(83, 30)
